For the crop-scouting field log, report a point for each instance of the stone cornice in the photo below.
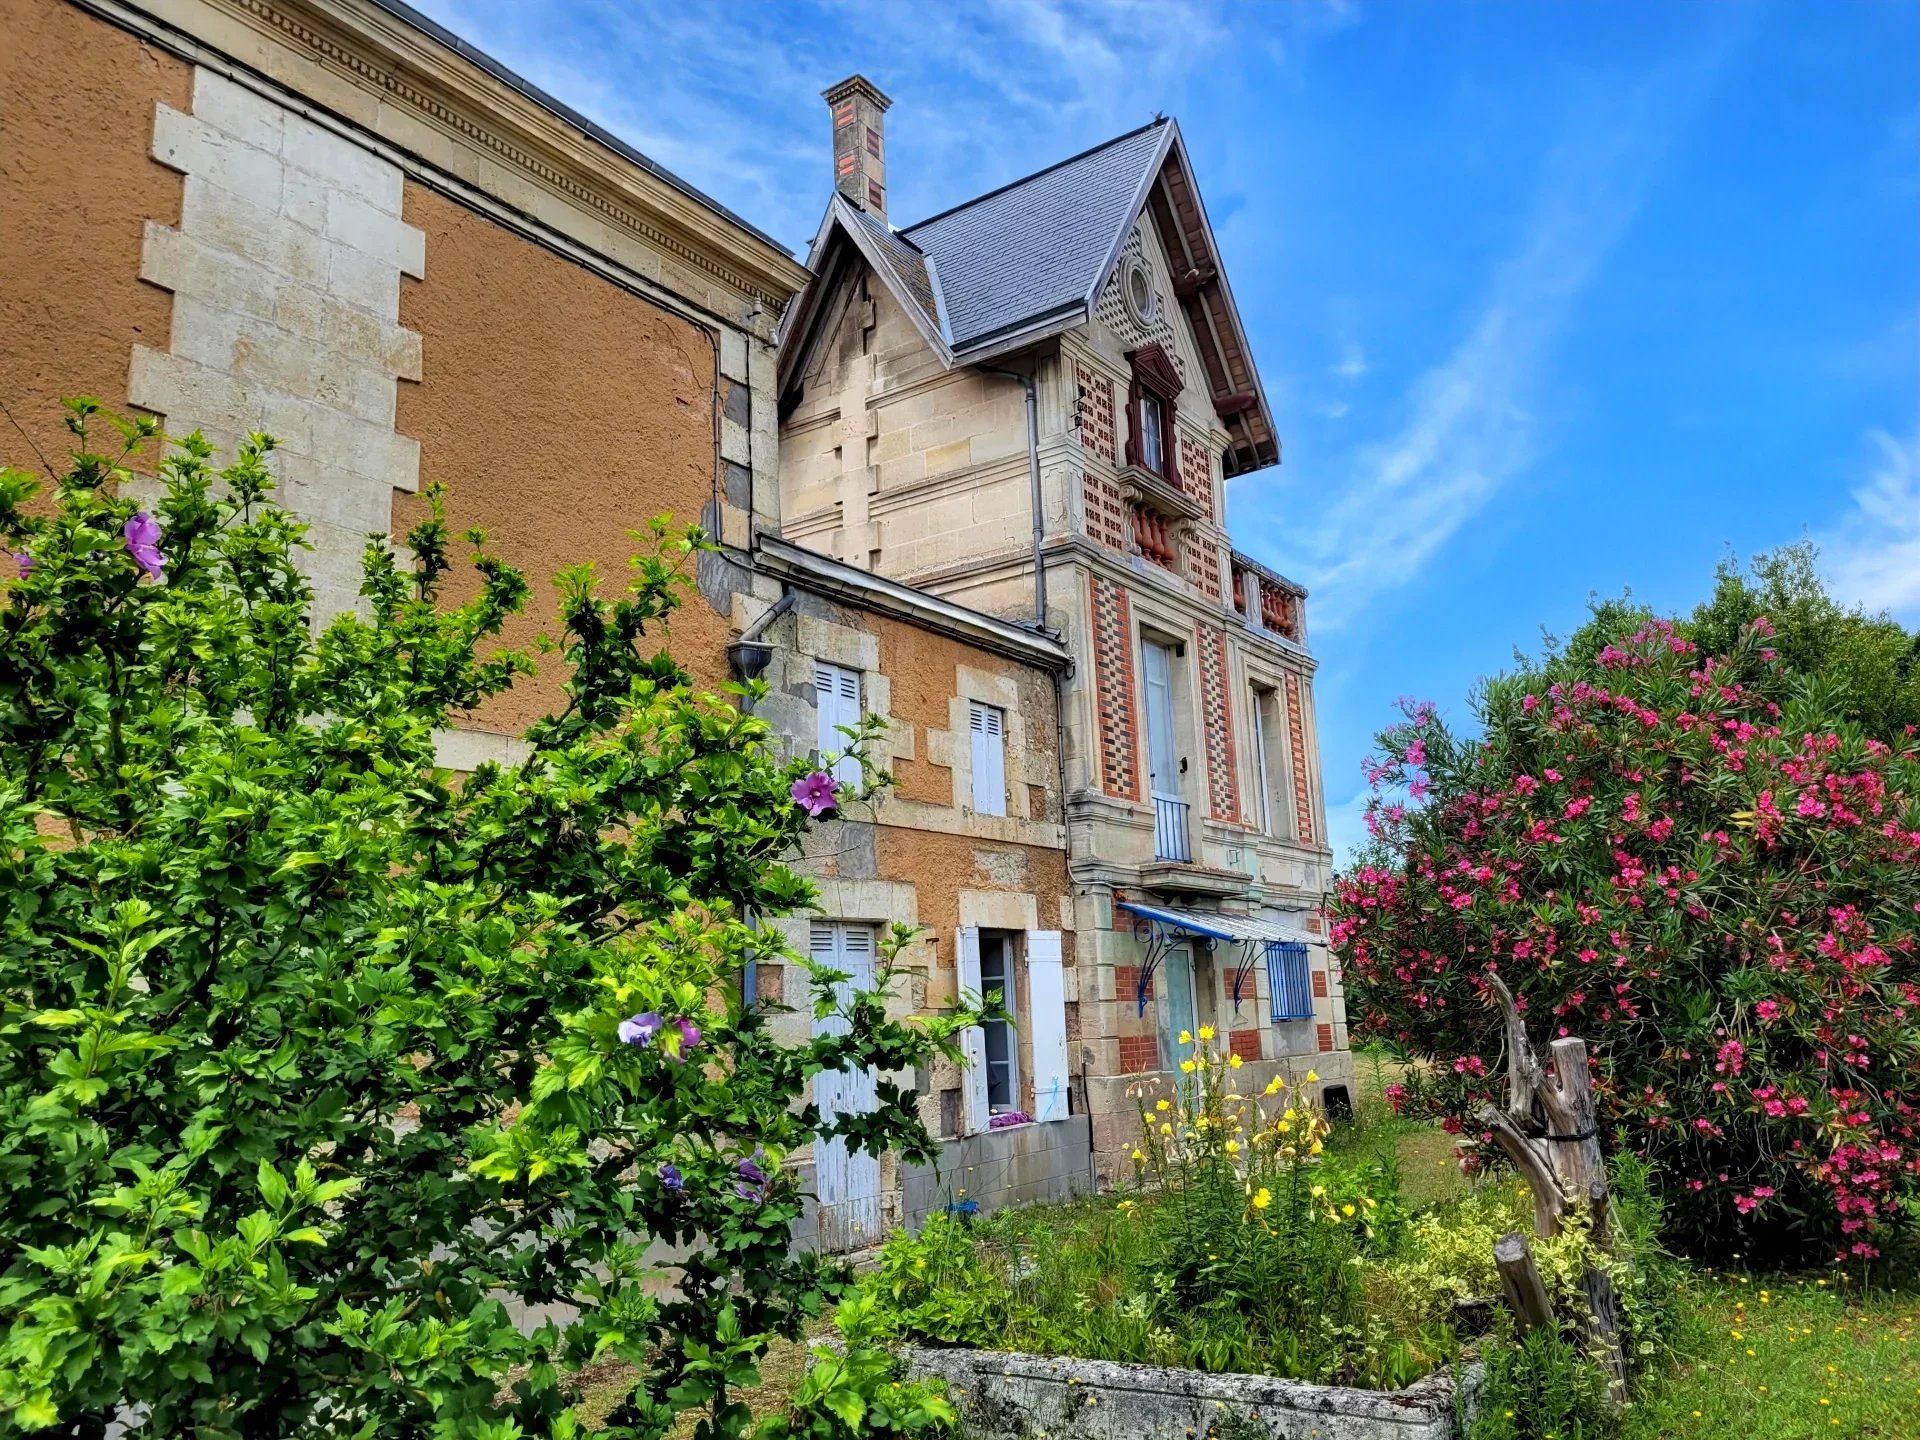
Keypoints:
(400, 65)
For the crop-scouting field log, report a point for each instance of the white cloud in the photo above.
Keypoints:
(729, 97)
(1469, 425)
(1347, 827)
(1352, 363)
(1873, 557)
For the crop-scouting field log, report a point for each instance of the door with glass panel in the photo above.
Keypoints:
(1178, 1014)
(1163, 755)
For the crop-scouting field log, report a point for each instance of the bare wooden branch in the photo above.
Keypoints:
(1551, 1132)
(1520, 1278)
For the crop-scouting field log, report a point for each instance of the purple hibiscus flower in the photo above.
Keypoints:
(143, 543)
(754, 1183)
(815, 793)
(671, 1178)
(639, 1030)
(689, 1034)
(25, 562)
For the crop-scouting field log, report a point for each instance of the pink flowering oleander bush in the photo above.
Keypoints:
(341, 1095)
(1696, 863)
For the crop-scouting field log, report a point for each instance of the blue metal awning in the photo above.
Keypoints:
(1158, 925)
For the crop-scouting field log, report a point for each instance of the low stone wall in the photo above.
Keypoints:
(1022, 1397)
(1020, 1165)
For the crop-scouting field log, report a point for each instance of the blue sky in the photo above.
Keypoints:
(1549, 300)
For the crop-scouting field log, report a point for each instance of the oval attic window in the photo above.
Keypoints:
(1139, 293)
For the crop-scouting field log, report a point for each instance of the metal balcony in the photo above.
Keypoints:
(1170, 838)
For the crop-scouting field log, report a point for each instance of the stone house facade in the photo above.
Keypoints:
(334, 221)
(1032, 404)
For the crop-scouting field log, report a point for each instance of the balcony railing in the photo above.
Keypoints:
(1170, 830)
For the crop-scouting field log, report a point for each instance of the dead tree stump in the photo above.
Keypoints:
(1549, 1130)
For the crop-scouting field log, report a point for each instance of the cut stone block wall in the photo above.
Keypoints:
(285, 272)
(1021, 1165)
(1004, 1396)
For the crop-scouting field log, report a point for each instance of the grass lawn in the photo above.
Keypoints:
(781, 1372)
(1768, 1358)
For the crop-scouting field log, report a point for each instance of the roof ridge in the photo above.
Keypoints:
(1044, 170)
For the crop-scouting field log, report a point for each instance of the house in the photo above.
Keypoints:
(1031, 404)
(335, 221)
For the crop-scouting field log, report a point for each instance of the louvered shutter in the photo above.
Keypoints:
(1288, 986)
(973, 1040)
(1047, 1025)
(837, 697)
(988, 726)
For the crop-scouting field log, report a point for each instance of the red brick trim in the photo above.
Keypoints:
(1139, 1053)
(1320, 984)
(1297, 745)
(1326, 1036)
(1223, 777)
(1114, 688)
(1245, 1044)
(1095, 411)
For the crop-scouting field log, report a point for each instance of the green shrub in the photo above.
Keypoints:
(1542, 1387)
(317, 1059)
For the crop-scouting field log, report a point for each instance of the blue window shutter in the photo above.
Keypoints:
(1287, 984)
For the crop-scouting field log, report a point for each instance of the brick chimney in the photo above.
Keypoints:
(860, 142)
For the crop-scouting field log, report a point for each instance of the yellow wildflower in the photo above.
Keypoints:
(1166, 1129)
(1137, 1155)
(1186, 1067)
(1186, 1037)
(1262, 1198)
(1162, 1106)
(1275, 1085)
(1235, 1061)
(1347, 1210)
(1312, 1076)
(1206, 1032)
(1233, 1147)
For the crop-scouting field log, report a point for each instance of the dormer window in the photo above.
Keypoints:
(1150, 405)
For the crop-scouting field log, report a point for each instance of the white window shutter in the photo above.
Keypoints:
(1047, 1025)
(837, 699)
(973, 1040)
(989, 760)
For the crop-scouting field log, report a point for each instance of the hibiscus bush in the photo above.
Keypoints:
(341, 1094)
(1705, 867)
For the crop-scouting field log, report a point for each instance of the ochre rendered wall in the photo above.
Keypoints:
(76, 188)
(561, 412)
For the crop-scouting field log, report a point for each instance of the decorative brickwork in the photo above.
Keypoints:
(1223, 781)
(1245, 1044)
(1113, 685)
(1203, 566)
(1150, 536)
(1297, 746)
(1196, 473)
(1106, 512)
(1326, 1036)
(1126, 983)
(1320, 984)
(1139, 1053)
(1094, 410)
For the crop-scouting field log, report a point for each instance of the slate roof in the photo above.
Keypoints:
(1039, 244)
(906, 261)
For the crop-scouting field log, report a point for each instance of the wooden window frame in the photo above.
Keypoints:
(1153, 374)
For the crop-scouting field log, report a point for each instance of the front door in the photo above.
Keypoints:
(1163, 759)
(1177, 1014)
(846, 1184)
